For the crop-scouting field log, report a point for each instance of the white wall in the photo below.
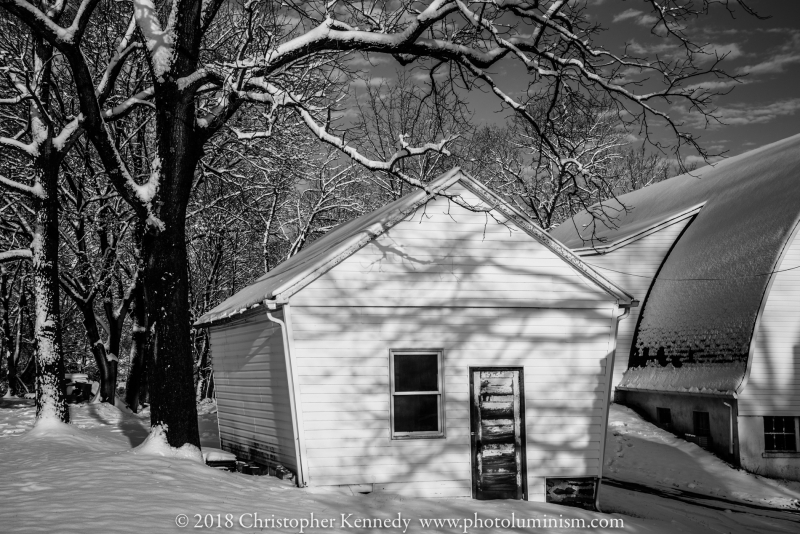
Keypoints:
(773, 384)
(444, 255)
(641, 259)
(344, 390)
(252, 390)
(488, 295)
(751, 452)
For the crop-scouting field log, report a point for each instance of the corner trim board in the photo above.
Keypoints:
(298, 404)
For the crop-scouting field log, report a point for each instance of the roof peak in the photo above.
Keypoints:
(340, 243)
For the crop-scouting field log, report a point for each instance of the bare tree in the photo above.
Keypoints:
(208, 60)
(42, 128)
(400, 110)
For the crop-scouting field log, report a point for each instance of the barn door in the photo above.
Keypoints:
(497, 433)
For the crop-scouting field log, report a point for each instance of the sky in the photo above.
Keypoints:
(763, 108)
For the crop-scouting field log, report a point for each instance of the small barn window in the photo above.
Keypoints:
(779, 434)
(702, 426)
(416, 394)
(664, 416)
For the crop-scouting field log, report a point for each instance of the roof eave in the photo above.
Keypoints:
(611, 246)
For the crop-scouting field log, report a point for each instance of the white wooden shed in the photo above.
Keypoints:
(713, 353)
(425, 349)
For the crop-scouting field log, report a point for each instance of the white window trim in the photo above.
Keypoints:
(440, 434)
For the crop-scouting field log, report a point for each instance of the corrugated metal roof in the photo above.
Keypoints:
(324, 253)
(704, 303)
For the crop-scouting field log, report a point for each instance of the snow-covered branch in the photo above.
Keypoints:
(34, 191)
(15, 255)
(374, 165)
(159, 41)
(29, 149)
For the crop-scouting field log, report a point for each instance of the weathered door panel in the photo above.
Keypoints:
(497, 433)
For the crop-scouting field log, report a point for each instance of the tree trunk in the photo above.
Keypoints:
(136, 386)
(170, 370)
(51, 398)
(8, 339)
(171, 367)
(203, 372)
(105, 367)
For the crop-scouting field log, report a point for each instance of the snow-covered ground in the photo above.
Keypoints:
(701, 490)
(639, 452)
(90, 478)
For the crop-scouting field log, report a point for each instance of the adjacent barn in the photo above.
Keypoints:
(443, 345)
(714, 351)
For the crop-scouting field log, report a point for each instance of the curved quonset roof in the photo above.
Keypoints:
(705, 300)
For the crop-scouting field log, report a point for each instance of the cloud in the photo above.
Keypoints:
(640, 17)
(661, 49)
(362, 62)
(774, 65)
(627, 14)
(743, 113)
(375, 81)
(712, 51)
(787, 54)
(717, 85)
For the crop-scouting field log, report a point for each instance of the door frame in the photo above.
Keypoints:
(473, 420)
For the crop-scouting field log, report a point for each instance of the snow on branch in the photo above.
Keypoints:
(44, 23)
(159, 42)
(30, 149)
(142, 98)
(15, 255)
(35, 191)
(375, 165)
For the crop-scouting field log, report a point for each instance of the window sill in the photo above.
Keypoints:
(787, 454)
(422, 436)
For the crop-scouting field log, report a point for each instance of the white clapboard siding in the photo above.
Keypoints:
(773, 384)
(632, 267)
(252, 390)
(346, 414)
(439, 257)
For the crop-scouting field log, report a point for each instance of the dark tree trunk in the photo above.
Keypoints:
(51, 398)
(27, 374)
(170, 370)
(203, 371)
(106, 368)
(171, 367)
(9, 345)
(136, 386)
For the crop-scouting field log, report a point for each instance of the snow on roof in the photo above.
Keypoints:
(338, 244)
(642, 209)
(705, 300)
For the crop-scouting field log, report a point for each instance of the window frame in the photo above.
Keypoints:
(660, 419)
(794, 433)
(439, 434)
(704, 417)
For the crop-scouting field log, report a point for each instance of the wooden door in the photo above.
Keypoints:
(497, 428)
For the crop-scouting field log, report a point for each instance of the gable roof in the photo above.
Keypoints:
(704, 303)
(326, 252)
